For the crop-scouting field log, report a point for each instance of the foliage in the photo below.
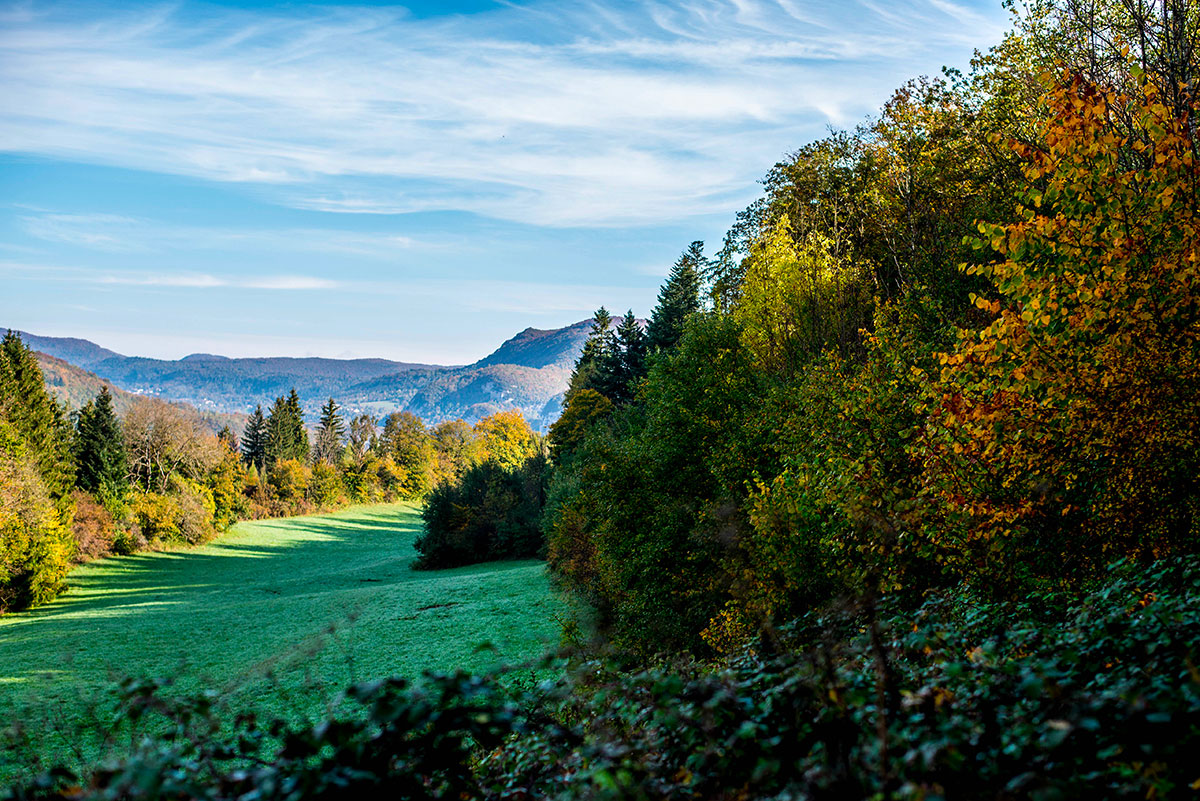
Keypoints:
(93, 527)
(493, 512)
(506, 439)
(36, 545)
(1066, 429)
(956, 346)
(457, 448)
(1057, 697)
(289, 479)
(406, 442)
(36, 476)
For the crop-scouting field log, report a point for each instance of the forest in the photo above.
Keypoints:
(895, 496)
(85, 484)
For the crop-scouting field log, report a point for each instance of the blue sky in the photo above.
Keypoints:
(414, 182)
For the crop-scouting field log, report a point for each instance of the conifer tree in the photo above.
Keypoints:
(678, 299)
(254, 442)
(284, 434)
(632, 346)
(599, 359)
(298, 433)
(227, 438)
(35, 415)
(101, 464)
(329, 434)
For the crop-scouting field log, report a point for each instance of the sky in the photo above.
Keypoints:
(416, 182)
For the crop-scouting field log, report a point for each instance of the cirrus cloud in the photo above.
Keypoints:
(558, 114)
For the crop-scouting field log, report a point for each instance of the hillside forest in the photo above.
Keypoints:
(895, 496)
(88, 483)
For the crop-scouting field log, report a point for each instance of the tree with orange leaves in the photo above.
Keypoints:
(1066, 428)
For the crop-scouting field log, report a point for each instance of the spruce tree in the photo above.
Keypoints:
(227, 438)
(298, 434)
(254, 439)
(632, 345)
(678, 299)
(329, 434)
(277, 434)
(599, 359)
(35, 415)
(285, 436)
(101, 465)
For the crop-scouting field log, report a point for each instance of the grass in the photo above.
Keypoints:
(278, 615)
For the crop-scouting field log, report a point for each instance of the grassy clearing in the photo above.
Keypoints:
(279, 615)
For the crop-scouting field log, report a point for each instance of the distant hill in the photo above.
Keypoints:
(75, 387)
(79, 352)
(528, 372)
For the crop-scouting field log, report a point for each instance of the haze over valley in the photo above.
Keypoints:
(528, 372)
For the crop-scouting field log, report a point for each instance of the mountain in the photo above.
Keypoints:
(80, 352)
(536, 348)
(75, 386)
(527, 372)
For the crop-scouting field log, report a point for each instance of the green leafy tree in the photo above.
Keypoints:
(406, 441)
(506, 438)
(458, 449)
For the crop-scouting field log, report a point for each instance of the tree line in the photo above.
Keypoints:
(955, 347)
(80, 485)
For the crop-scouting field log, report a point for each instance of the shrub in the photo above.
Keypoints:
(289, 480)
(36, 545)
(155, 516)
(93, 527)
(494, 512)
(326, 487)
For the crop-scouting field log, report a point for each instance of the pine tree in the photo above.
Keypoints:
(678, 299)
(254, 439)
(632, 345)
(599, 359)
(35, 415)
(285, 436)
(298, 434)
(227, 438)
(101, 464)
(329, 434)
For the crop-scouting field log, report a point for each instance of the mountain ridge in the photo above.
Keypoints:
(529, 371)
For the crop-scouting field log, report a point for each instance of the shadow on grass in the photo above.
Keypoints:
(313, 555)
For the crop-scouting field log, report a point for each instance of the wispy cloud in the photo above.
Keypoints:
(272, 282)
(564, 113)
(123, 234)
(80, 275)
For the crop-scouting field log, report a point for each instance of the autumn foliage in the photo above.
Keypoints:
(1066, 430)
(890, 397)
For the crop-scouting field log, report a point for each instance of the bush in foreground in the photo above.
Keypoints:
(1054, 698)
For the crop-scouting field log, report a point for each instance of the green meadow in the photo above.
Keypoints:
(277, 615)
